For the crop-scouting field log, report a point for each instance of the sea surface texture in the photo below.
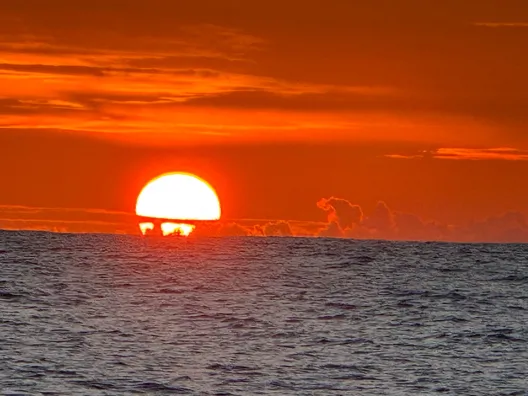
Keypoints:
(124, 315)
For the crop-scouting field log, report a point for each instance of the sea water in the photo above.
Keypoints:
(121, 315)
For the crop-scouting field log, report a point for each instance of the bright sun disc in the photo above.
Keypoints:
(178, 196)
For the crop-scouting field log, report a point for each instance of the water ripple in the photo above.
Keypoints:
(118, 315)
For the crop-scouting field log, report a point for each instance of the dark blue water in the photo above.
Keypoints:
(121, 315)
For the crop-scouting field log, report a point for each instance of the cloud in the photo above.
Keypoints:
(402, 156)
(502, 24)
(66, 219)
(22, 210)
(411, 227)
(234, 229)
(474, 154)
(260, 228)
(381, 222)
(280, 228)
(67, 226)
(161, 87)
(160, 75)
(510, 227)
(341, 212)
(222, 229)
(235, 40)
(257, 228)
(344, 221)
(348, 220)
(507, 154)
(384, 223)
(332, 230)
(298, 97)
(245, 57)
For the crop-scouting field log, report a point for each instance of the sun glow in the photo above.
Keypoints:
(176, 196)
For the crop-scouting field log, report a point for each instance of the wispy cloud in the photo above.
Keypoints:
(173, 56)
(163, 85)
(474, 154)
(19, 212)
(502, 24)
(505, 154)
(404, 156)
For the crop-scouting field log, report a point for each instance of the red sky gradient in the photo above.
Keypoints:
(368, 119)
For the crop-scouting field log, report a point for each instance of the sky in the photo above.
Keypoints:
(365, 119)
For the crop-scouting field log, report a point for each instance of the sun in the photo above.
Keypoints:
(177, 196)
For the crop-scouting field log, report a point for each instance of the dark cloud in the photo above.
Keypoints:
(55, 69)
(101, 71)
(329, 99)
(203, 62)
(61, 108)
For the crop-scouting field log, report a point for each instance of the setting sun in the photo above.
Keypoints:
(177, 196)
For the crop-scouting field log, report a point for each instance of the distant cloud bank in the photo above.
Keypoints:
(344, 220)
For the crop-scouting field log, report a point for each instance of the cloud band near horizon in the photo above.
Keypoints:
(344, 220)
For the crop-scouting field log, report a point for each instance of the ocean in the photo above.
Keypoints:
(123, 315)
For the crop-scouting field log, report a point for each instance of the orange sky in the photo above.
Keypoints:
(418, 104)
